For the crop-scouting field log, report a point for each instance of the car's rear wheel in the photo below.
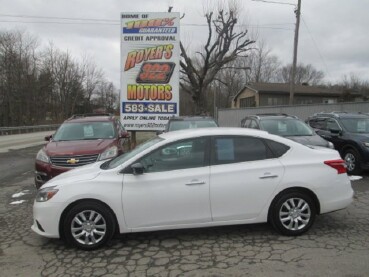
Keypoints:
(352, 160)
(89, 225)
(292, 213)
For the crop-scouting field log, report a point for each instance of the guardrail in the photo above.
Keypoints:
(27, 129)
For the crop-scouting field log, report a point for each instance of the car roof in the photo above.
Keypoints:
(219, 131)
(272, 115)
(191, 118)
(341, 115)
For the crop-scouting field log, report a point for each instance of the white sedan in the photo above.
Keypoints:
(194, 178)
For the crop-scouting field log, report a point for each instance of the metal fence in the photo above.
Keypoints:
(232, 117)
(27, 129)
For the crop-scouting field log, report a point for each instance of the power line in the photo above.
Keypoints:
(316, 46)
(100, 21)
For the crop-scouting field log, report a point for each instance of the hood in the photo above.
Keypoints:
(313, 140)
(83, 173)
(77, 147)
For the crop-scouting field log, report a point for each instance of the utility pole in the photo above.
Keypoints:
(295, 44)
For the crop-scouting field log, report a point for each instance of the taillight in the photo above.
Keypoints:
(339, 165)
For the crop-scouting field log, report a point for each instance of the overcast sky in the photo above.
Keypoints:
(333, 33)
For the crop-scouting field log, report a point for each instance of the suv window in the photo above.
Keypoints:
(332, 125)
(356, 125)
(85, 131)
(238, 149)
(254, 124)
(318, 123)
(180, 155)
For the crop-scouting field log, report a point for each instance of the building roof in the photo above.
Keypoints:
(283, 88)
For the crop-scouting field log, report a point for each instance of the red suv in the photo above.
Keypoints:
(80, 140)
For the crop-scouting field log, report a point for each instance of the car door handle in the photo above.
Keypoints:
(195, 183)
(268, 176)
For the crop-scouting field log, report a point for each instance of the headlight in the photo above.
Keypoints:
(46, 194)
(330, 145)
(41, 156)
(109, 153)
(366, 144)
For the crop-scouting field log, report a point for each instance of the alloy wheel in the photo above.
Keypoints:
(88, 227)
(350, 161)
(294, 214)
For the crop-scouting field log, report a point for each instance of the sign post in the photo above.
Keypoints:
(149, 70)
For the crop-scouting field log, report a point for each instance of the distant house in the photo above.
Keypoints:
(276, 94)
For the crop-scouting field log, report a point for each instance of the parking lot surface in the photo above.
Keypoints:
(337, 244)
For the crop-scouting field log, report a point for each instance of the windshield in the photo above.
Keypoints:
(85, 131)
(126, 156)
(286, 127)
(356, 125)
(176, 125)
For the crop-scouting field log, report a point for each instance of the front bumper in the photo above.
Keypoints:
(46, 218)
(45, 171)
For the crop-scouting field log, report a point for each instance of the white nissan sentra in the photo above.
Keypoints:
(194, 178)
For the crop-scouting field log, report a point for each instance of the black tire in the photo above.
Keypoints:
(353, 161)
(291, 222)
(89, 225)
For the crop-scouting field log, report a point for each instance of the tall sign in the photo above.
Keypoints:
(149, 70)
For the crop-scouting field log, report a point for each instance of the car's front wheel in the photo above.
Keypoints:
(352, 160)
(292, 213)
(89, 225)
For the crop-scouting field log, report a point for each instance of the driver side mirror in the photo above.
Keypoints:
(335, 132)
(48, 138)
(138, 169)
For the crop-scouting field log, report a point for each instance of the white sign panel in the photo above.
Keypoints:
(149, 70)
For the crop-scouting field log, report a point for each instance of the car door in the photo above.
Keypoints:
(243, 176)
(174, 188)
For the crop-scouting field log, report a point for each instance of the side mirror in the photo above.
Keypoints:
(123, 135)
(159, 132)
(335, 132)
(48, 138)
(137, 168)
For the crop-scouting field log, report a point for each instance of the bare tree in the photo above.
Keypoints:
(304, 74)
(224, 44)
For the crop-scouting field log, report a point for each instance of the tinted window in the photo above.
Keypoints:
(179, 155)
(278, 149)
(332, 125)
(318, 123)
(238, 149)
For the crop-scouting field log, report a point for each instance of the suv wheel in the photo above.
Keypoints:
(352, 160)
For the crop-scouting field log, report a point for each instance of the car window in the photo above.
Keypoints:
(176, 125)
(85, 131)
(318, 123)
(356, 125)
(254, 124)
(278, 149)
(286, 127)
(130, 154)
(185, 154)
(238, 149)
(332, 125)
